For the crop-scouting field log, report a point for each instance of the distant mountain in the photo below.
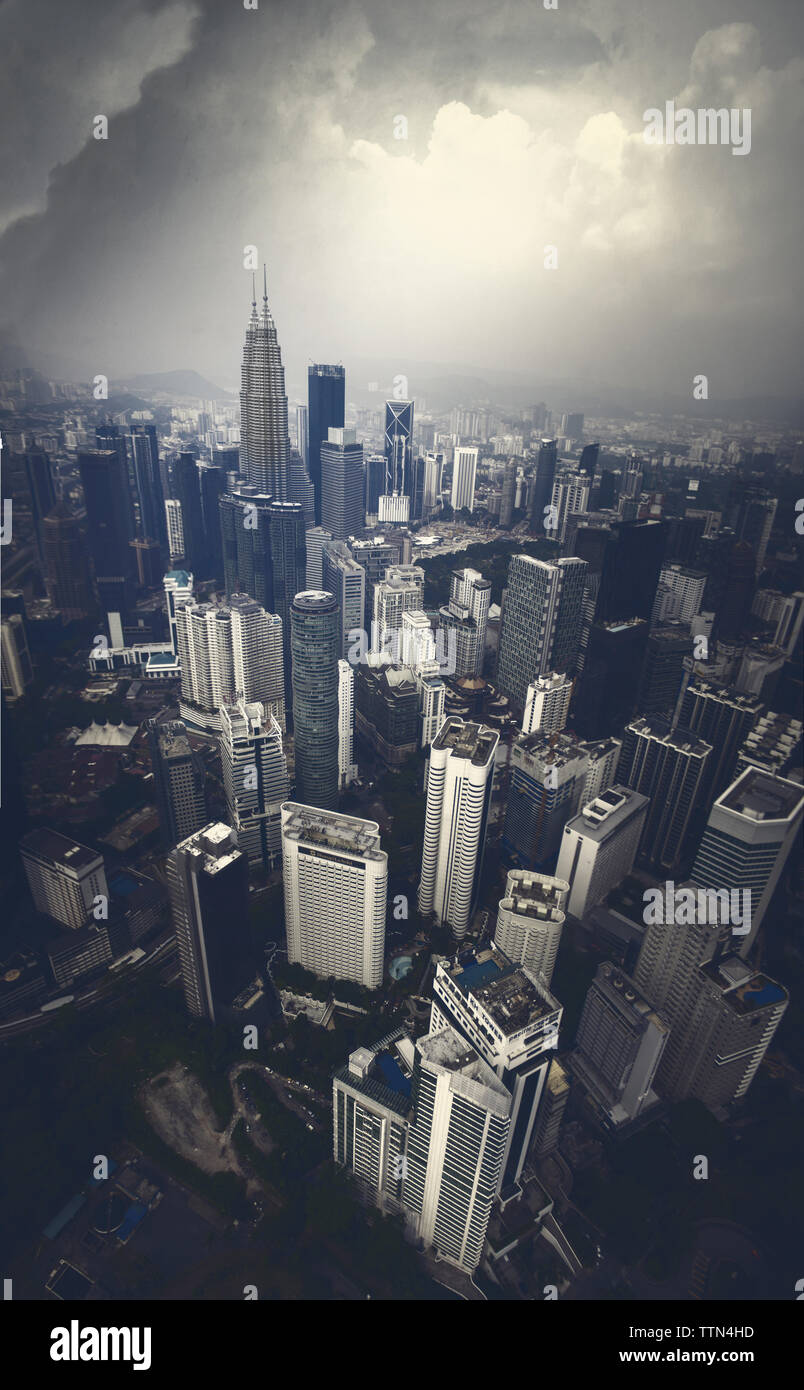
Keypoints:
(180, 383)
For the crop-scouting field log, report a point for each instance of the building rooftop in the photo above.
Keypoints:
(659, 728)
(57, 849)
(476, 742)
(331, 830)
(621, 991)
(744, 990)
(511, 995)
(534, 895)
(760, 797)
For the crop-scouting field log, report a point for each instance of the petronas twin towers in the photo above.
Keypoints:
(264, 443)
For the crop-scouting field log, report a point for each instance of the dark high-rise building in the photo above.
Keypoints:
(66, 569)
(684, 534)
(43, 498)
(508, 495)
(375, 483)
(589, 456)
(341, 466)
(399, 448)
(264, 440)
(540, 628)
(542, 494)
(187, 487)
(670, 767)
(607, 490)
(753, 514)
(606, 696)
(245, 526)
(288, 572)
(387, 714)
(326, 387)
(734, 605)
(109, 525)
(208, 885)
(663, 670)
(315, 642)
(212, 486)
(148, 484)
(724, 718)
(178, 781)
(628, 556)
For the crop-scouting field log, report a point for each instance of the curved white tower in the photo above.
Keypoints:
(459, 780)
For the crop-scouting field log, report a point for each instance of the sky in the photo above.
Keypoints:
(277, 128)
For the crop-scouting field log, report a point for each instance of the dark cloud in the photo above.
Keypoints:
(276, 127)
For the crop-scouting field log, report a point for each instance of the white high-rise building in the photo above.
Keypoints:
(679, 596)
(459, 781)
(370, 1126)
(228, 652)
(599, 846)
(255, 779)
(347, 767)
(178, 589)
(529, 920)
(751, 830)
(466, 615)
(419, 653)
(570, 498)
(344, 578)
(316, 537)
(455, 1149)
(336, 881)
(464, 472)
(401, 590)
(175, 529)
(64, 877)
(603, 755)
(393, 509)
(547, 703)
(433, 468)
(786, 614)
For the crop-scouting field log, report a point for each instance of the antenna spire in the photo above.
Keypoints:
(253, 290)
(264, 284)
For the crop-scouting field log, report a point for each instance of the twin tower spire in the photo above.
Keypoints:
(266, 313)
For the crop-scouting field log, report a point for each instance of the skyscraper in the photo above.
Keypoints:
(529, 920)
(627, 556)
(618, 1048)
(464, 472)
(508, 495)
(542, 494)
(66, 570)
(613, 661)
(347, 767)
(466, 615)
(175, 530)
(288, 570)
(43, 499)
(255, 779)
(65, 878)
(456, 1147)
(187, 486)
(547, 703)
(540, 628)
(545, 784)
(315, 651)
(228, 651)
(507, 1014)
(326, 388)
(316, 538)
(179, 777)
(148, 483)
(344, 578)
(668, 766)
(399, 448)
(751, 830)
(400, 591)
(212, 486)
(370, 1125)
(109, 526)
(663, 669)
(208, 887)
(336, 881)
(599, 846)
(724, 718)
(341, 464)
(264, 442)
(245, 527)
(459, 781)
